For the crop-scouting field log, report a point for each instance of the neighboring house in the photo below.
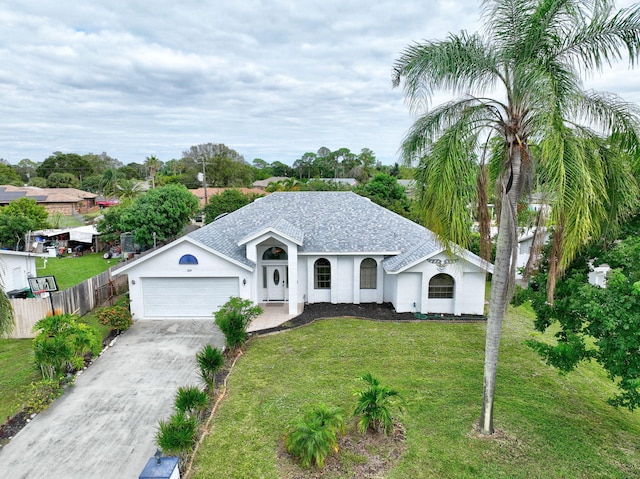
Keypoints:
(350, 182)
(262, 184)
(66, 201)
(409, 187)
(199, 193)
(525, 243)
(598, 274)
(307, 247)
(15, 269)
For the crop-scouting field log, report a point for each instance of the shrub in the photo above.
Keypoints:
(192, 401)
(61, 343)
(210, 360)
(177, 435)
(40, 395)
(117, 317)
(316, 435)
(373, 406)
(233, 318)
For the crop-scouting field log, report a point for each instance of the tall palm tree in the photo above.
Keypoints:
(538, 124)
(153, 165)
(126, 190)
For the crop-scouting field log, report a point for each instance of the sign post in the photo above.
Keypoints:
(44, 284)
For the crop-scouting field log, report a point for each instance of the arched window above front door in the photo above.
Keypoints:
(441, 286)
(274, 253)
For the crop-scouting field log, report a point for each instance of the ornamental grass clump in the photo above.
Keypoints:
(192, 401)
(315, 436)
(61, 343)
(177, 435)
(210, 361)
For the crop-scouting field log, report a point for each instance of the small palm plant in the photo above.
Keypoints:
(373, 406)
(192, 401)
(316, 435)
(177, 435)
(210, 360)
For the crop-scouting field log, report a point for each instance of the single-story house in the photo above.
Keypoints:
(262, 184)
(66, 201)
(525, 244)
(15, 269)
(200, 193)
(307, 247)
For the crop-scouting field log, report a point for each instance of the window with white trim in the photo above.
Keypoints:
(322, 274)
(441, 286)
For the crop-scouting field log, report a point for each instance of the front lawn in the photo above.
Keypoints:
(550, 425)
(17, 371)
(70, 270)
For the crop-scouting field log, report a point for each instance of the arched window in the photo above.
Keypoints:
(188, 259)
(274, 253)
(322, 274)
(441, 286)
(368, 274)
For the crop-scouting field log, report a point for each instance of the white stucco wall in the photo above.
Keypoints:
(408, 292)
(164, 264)
(321, 295)
(469, 285)
(470, 297)
(343, 279)
(15, 268)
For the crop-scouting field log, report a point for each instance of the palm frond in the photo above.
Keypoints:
(604, 38)
(463, 64)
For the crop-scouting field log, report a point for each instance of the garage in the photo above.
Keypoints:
(186, 297)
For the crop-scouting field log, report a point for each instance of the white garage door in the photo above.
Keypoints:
(186, 297)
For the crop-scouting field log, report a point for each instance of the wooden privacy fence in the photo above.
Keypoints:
(79, 299)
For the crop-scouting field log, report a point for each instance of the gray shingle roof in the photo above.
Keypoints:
(327, 222)
(282, 227)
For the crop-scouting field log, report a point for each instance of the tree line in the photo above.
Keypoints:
(213, 163)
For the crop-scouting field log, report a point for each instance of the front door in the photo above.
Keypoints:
(276, 283)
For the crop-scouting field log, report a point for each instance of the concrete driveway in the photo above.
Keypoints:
(104, 426)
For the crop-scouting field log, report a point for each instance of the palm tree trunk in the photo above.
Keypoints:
(554, 254)
(537, 242)
(501, 287)
(484, 219)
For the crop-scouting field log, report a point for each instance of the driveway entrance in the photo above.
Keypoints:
(105, 424)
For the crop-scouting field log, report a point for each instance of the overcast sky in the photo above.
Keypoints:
(270, 79)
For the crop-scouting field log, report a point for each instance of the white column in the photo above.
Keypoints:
(292, 254)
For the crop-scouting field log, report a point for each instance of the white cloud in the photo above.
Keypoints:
(271, 79)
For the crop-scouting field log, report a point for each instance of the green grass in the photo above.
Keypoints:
(65, 221)
(552, 425)
(70, 270)
(17, 371)
(92, 215)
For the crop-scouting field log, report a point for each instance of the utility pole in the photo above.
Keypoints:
(204, 182)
